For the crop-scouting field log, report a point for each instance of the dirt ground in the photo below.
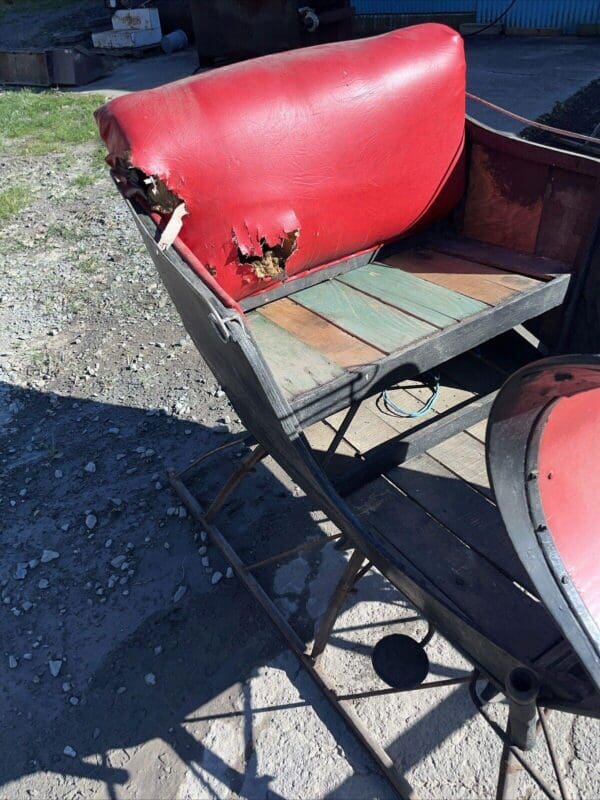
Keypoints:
(132, 666)
(43, 23)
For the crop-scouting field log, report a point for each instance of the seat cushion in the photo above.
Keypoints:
(296, 160)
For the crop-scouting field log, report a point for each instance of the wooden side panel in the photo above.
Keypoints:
(504, 199)
(370, 320)
(335, 344)
(566, 214)
(435, 304)
(483, 283)
(295, 366)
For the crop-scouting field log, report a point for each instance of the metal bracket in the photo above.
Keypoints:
(221, 323)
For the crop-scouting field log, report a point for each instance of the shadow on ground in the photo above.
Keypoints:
(203, 649)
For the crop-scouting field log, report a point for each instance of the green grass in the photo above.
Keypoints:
(39, 123)
(88, 265)
(13, 199)
(84, 180)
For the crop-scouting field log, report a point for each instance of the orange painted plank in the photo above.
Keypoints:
(334, 343)
(479, 281)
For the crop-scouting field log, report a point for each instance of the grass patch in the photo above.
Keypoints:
(46, 122)
(13, 199)
(84, 180)
(88, 265)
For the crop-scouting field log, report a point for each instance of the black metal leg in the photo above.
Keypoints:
(345, 583)
(522, 689)
(401, 786)
(509, 771)
(234, 479)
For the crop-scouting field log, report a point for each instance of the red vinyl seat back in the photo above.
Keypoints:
(296, 160)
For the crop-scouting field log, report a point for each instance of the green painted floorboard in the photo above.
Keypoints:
(365, 317)
(428, 301)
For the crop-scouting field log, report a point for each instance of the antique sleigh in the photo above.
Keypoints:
(333, 233)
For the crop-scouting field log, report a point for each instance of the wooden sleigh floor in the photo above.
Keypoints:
(330, 344)
(437, 513)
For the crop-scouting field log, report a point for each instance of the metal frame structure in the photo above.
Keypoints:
(526, 719)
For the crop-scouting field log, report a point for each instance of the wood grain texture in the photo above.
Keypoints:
(369, 319)
(436, 304)
(535, 266)
(479, 281)
(566, 215)
(335, 344)
(472, 517)
(465, 457)
(469, 581)
(504, 199)
(295, 366)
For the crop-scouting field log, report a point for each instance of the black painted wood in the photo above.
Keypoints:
(471, 516)
(508, 615)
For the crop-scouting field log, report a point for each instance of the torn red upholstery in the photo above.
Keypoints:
(296, 160)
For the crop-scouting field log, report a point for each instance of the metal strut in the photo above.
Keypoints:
(400, 785)
(523, 725)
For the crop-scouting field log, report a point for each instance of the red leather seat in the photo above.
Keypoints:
(295, 160)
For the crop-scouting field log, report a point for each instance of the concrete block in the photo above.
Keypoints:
(137, 19)
(113, 40)
(75, 66)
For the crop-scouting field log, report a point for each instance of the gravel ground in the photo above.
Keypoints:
(128, 668)
(42, 23)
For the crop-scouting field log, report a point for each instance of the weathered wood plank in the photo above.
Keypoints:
(479, 281)
(413, 442)
(319, 436)
(464, 456)
(296, 367)
(467, 579)
(427, 353)
(368, 429)
(472, 517)
(335, 344)
(566, 214)
(504, 199)
(501, 257)
(365, 317)
(433, 303)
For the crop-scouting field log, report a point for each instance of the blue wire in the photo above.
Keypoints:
(391, 406)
